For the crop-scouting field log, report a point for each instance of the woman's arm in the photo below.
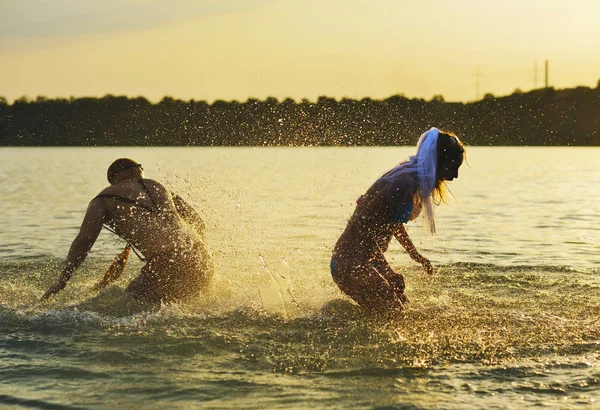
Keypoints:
(88, 233)
(402, 195)
(188, 213)
(402, 237)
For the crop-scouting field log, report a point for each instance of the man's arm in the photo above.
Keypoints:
(188, 213)
(88, 233)
(402, 237)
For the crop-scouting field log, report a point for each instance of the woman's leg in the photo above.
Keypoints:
(171, 278)
(147, 286)
(372, 284)
(395, 280)
(144, 287)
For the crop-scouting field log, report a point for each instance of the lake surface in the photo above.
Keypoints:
(510, 320)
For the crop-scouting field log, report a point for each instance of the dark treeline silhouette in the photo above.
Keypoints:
(539, 117)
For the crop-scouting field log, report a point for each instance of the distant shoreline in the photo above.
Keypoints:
(9, 147)
(543, 117)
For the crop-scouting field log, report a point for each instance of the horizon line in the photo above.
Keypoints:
(436, 97)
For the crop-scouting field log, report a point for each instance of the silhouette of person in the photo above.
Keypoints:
(165, 229)
(415, 186)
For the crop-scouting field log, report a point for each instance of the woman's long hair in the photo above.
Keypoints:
(449, 147)
(433, 147)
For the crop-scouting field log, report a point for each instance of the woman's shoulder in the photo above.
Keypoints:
(402, 185)
(154, 185)
(388, 193)
(152, 182)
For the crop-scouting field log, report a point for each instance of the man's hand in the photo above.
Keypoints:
(55, 288)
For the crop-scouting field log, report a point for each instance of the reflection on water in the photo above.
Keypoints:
(509, 320)
(513, 206)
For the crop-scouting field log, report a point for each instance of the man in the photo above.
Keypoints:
(160, 225)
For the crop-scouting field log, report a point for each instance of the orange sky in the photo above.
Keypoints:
(236, 49)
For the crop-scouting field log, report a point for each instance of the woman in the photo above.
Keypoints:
(358, 265)
(165, 229)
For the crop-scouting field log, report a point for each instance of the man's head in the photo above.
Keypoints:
(123, 167)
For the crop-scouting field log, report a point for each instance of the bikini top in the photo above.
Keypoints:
(400, 213)
(154, 208)
(135, 202)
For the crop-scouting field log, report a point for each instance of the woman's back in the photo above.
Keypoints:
(142, 211)
(385, 204)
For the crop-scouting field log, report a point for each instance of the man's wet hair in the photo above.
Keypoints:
(119, 166)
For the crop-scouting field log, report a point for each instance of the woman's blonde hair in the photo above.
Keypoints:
(449, 147)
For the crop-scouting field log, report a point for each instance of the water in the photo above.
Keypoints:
(510, 320)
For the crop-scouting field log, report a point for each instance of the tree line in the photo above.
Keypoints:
(543, 117)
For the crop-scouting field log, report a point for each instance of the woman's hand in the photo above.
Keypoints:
(55, 288)
(402, 237)
(426, 265)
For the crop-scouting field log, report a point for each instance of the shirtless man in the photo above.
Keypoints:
(159, 224)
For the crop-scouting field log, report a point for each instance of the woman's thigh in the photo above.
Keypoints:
(166, 279)
(145, 288)
(366, 282)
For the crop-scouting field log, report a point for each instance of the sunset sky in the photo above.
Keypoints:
(236, 49)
